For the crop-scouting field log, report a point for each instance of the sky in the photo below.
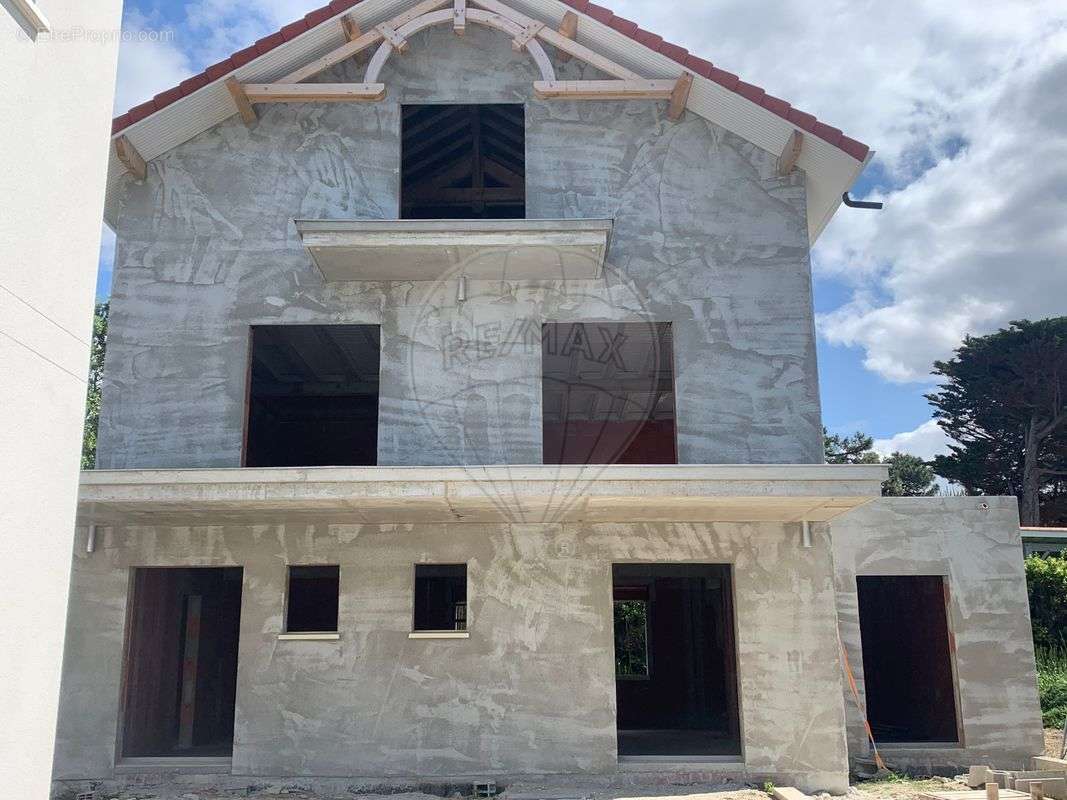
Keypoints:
(964, 103)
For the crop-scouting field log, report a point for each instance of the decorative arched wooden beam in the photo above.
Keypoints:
(522, 38)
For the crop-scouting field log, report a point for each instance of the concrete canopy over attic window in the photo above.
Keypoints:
(640, 64)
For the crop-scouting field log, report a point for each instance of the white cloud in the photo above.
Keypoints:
(926, 441)
(151, 60)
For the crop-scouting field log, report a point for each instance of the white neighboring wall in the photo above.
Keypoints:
(56, 90)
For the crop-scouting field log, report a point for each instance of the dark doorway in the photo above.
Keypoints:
(907, 663)
(608, 393)
(463, 162)
(440, 597)
(313, 399)
(675, 660)
(181, 662)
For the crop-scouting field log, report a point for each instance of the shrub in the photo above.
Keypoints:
(1052, 686)
(1046, 583)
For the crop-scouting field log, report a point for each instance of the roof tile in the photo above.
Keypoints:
(701, 66)
(216, 71)
(776, 104)
(242, 57)
(750, 92)
(293, 29)
(190, 85)
(268, 43)
(318, 16)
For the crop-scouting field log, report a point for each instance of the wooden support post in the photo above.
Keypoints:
(314, 92)
(568, 29)
(1037, 790)
(130, 158)
(518, 44)
(679, 97)
(790, 153)
(240, 99)
(459, 17)
(992, 791)
(398, 42)
(351, 28)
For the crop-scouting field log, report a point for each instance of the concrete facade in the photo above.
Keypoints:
(706, 236)
(975, 545)
(531, 691)
(56, 93)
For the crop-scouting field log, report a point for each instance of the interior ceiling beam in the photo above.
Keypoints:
(788, 159)
(568, 29)
(314, 92)
(130, 158)
(605, 90)
(240, 99)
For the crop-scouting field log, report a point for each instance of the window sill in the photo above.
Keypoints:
(439, 635)
(309, 637)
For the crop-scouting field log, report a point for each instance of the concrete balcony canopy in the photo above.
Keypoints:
(733, 493)
(480, 249)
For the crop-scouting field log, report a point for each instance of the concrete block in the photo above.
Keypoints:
(1001, 778)
(788, 793)
(1055, 788)
(978, 777)
(1043, 762)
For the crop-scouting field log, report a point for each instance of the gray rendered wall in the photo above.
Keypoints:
(979, 553)
(531, 691)
(706, 237)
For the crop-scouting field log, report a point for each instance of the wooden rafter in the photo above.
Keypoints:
(351, 29)
(130, 158)
(790, 153)
(314, 92)
(240, 99)
(518, 44)
(604, 90)
(459, 17)
(679, 97)
(569, 30)
(396, 41)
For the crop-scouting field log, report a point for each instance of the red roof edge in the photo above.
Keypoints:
(700, 66)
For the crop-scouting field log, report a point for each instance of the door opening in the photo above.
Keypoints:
(181, 662)
(675, 660)
(907, 660)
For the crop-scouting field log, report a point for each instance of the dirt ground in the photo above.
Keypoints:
(1053, 742)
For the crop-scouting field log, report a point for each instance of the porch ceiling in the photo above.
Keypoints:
(726, 493)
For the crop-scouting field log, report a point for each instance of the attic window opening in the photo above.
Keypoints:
(463, 162)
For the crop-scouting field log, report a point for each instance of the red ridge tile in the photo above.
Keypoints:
(648, 39)
(858, 150)
(216, 71)
(776, 104)
(242, 57)
(578, 5)
(137, 113)
(164, 99)
(190, 85)
(599, 13)
(805, 122)
(828, 132)
(268, 43)
(750, 92)
(674, 51)
(318, 16)
(120, 123)
(293, 29)
(724, 78)
(624, 26)
(700, 66)
(337, 6)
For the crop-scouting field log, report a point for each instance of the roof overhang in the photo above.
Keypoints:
(768, 123)
(728, 493)
(429, 250)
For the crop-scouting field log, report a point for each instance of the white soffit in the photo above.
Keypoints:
(430, 250)
(830, 171)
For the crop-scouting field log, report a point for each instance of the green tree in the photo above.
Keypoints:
(1046, 585)
(854, 449)
(909, 476)
(96, 375)
(1004, 402)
